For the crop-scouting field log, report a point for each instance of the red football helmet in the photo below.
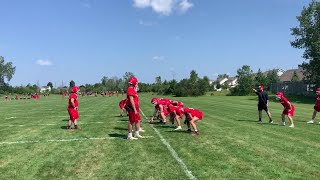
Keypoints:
(133, 81)
(154, 100)
(75, 89)
(279, 95)
(261, 88)
(318, 91)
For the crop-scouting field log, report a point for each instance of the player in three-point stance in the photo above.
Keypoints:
(192, 116)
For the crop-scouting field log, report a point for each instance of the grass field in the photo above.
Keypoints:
(34, 143)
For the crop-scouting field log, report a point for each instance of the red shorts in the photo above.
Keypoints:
(121, 105)
(317, 108)
(134, 118)
(74, 114)
(199, 115)
(165, 111)
(289, 112)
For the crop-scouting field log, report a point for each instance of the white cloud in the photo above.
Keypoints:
(44, 62)
(164, 7)
(147, 23)
(185, 5)
(158, 58)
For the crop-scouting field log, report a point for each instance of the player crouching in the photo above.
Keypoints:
(73, 107)
(288, 109)
(161, 106)
(192, 116)
(122, 105)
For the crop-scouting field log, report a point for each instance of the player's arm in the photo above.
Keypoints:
(73, 104)
(133, 104)
(154, 114)
(290, 105)
(254, 90)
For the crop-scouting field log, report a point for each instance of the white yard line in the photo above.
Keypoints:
(24, 125)
(173, 153)
(63, 140)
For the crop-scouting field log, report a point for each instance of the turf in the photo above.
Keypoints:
(231, 144)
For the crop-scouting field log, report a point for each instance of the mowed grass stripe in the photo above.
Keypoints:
(230, 146)
(139, 153)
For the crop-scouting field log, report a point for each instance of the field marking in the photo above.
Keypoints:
(11, 118)
(24, 125)
(64, 140)
(173, 153)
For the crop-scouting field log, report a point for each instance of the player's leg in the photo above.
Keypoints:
(283, 119)
(314, 115)
(178, 122)
(194, 126)
(137, 125)
(75, 122)
(291, 121)
(269, 115)
(260, 115)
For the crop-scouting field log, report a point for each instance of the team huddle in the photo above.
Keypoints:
(289, 108)
(175, 111)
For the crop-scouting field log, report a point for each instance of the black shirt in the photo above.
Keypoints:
(263, 98)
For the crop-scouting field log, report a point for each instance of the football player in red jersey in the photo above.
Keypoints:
(316, 107)
(73, 107)
(288, 109)
(122, 105)
(161, 106)
(133, 108)
(192, 116)
(176, 112)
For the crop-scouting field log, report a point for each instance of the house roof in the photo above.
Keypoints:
(287, 75)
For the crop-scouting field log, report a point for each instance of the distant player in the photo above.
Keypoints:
(192, 116)
(263, 103)
(316, 107)
(73, 107)
(6, 98)
(133, 109)
(288, 109)
(122, 105)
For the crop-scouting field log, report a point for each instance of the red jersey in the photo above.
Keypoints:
(285, 103)
(177, 103)
(194, 112)
(76, 102)
(178, 110)
(318, 101)
(132, 92)
(123, 103)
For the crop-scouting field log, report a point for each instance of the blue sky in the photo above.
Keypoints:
(83, 40)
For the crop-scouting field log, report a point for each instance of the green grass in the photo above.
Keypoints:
(231, 144)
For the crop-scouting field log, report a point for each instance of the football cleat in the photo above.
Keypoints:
(132, 138)
(310, 122)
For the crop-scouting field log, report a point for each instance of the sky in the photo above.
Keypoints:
(84, 40)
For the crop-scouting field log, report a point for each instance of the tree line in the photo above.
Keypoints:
(306, 36)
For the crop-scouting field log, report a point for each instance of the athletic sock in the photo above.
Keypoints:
(137, 133)
(129, 135)
(260, 119)
(68, 127)
(75, 126)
